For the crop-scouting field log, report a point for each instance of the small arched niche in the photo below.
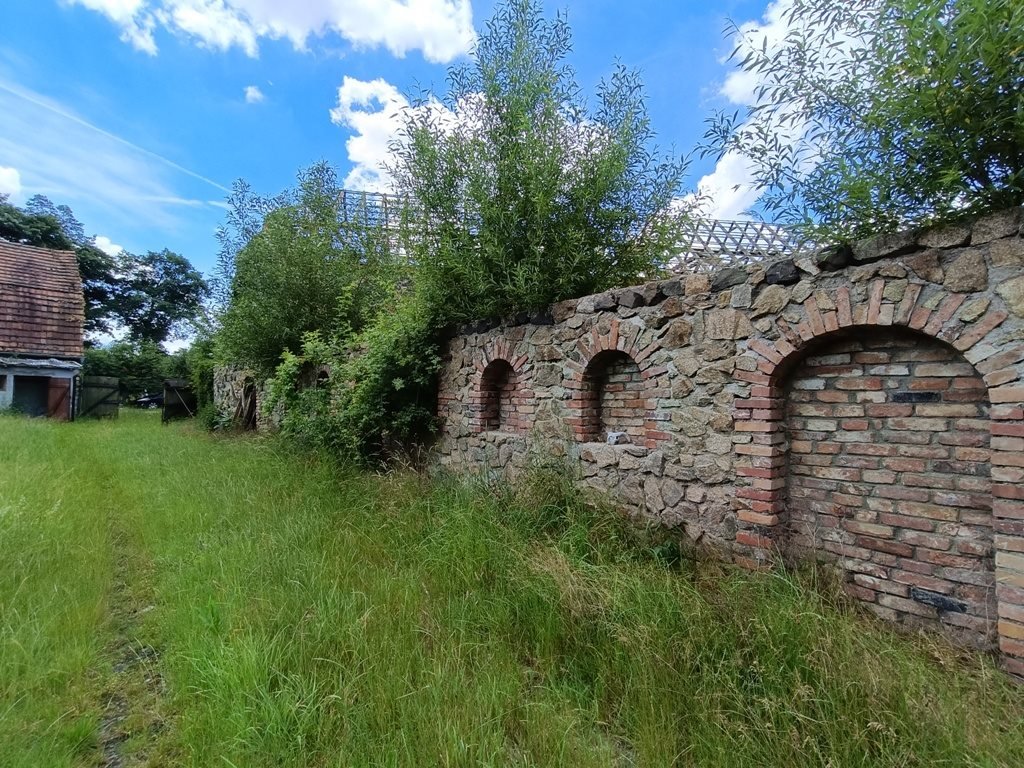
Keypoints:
(613, 398)
(498, 400)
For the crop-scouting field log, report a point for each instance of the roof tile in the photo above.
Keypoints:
(42, 310)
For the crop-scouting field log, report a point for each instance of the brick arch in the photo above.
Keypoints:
(502, 398)
(593, 351)
(761, 462)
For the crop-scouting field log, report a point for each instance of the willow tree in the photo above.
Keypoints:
(528, 195)
(872, 115)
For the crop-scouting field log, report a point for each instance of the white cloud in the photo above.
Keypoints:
(136, 25)
(441, 29)
(373, 110)
(64, 156)
(253, 95)
(740, 85)
(10, 181)
(106, 245)
(728, 192)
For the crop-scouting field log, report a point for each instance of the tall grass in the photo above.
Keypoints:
(304, 614)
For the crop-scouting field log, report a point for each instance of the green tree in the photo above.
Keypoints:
(520, 196)
(160, 293)
(527, 196)
(304, 271)
(873, 115)
(244, 220)
(41, 205)
(44, 231)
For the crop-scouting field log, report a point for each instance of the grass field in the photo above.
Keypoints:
(170, 598)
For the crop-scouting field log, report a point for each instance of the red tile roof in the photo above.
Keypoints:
(41, 306)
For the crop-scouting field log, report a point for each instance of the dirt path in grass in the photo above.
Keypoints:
(132, 700)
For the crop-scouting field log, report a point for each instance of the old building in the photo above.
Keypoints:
(42, 312)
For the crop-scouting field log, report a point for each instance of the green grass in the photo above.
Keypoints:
(302, 614)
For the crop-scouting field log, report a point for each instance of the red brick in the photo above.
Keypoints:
(1002, 376)
(758, 426)
(757, 495)
(906, 521)
(929, 385)
(752, 539)
(945, 311)
(931, 541)
(980, 330)
(765, 350)
(875, 301)
(921, 580)
(752, 377)
(882, 545)
(859, 383)
(864, 594)
(928, 480)
(906, 306)
(814, 317)
(916, 508)
(944, 559)
(755, 518)
(1009, 430)
(919, 317)
(1007, 413)
(869, 529)
(880, 585)
(1008, 491)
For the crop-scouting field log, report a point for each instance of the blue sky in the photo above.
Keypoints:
(140, 113)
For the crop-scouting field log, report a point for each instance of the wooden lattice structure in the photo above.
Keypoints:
(712, 243)
(707, 244)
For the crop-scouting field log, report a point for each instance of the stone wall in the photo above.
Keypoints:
(863, 406)
(238, 393)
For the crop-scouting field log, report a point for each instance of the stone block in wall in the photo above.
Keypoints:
(1012, 292)
(770, 301)
(727, 324)
(725, 278)
(1008, 252)
(996, 225)
(782, 273)
(966, 271)
(950, 236)
(884, 246)
(832, 258)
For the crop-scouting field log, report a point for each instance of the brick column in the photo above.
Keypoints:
(1008, 519)
(760, 470)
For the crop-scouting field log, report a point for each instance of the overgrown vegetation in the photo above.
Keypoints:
(306, 270)
(872, 115)
(295, 613)
(520, 196)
